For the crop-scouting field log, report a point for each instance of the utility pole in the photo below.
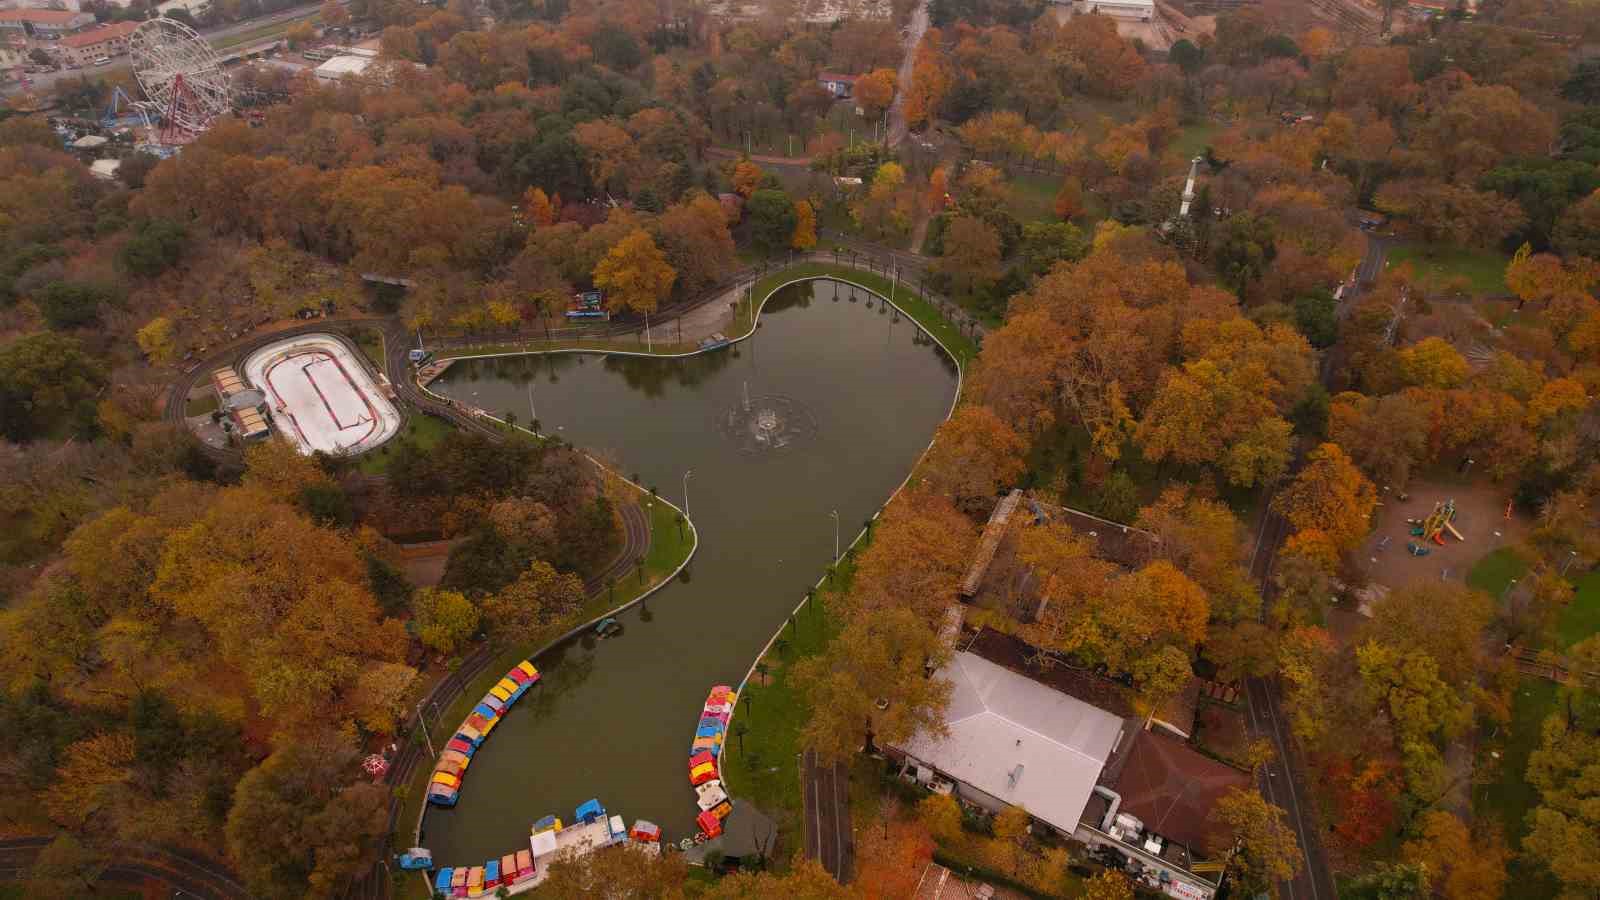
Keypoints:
(686, 475)
(423, 720)
(533, 414)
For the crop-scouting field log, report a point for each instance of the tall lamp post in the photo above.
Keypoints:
(835, 515)
(686, 475)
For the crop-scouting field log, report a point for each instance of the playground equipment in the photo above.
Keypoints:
(1439, 521)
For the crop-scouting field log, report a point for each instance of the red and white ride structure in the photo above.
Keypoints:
(184, 84)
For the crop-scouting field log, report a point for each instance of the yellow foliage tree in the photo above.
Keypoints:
(635, 274)
(155, 339)
(805, 226)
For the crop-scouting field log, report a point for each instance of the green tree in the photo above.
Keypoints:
(155, 247)
(44, 377)
(1243, 248)
(772, 219)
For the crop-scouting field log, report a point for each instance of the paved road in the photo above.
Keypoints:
(897, 110)
(135, 864)
(1281, 781)
(829, 839)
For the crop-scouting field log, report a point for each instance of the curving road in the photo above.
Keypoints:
(135, 864)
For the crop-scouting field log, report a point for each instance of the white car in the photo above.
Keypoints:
(103, 61)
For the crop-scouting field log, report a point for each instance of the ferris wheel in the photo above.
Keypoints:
(182, 77)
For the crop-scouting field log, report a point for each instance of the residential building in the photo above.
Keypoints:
(840, 86)
(107, 41)
(69, 5)
(45, 23)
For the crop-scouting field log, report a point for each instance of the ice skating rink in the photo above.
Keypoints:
(321, 396)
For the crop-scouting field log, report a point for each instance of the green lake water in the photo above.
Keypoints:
(842, 398)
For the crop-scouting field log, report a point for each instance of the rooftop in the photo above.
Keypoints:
(1172, 788)
(96, 35)
(1019, 741)
(1019, 656)
(43, 16)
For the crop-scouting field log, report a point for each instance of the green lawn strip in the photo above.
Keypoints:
(767, 771)
(1194, 139)
(421, 428)
(1033, 196)
(1494, 572)
(1581, 618)
(1509, 797)
(203, 405)
(668, 550)
(1484, 269)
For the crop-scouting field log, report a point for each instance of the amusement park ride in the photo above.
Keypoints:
(184, 85)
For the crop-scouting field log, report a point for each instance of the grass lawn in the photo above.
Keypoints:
(1194, 139)
(1033, 196)
(767, 772)
(1484, 270)
(370, 340)
(423, 429)
(1492, 573)
(1509, 797)
(203, 405)
(1581, 618)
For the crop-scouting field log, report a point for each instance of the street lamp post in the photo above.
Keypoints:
(533, 414)
(835, 515)
(686, 475)
(1567, 564)
(423, 721)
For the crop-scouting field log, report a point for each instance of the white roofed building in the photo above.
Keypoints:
(1014, 741)
(1142, 10)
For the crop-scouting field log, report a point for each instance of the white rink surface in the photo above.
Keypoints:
(321, 396)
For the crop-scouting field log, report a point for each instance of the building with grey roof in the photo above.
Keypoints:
(1013, 741)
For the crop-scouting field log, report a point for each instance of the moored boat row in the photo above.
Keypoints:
(444, 788)
(705, 774)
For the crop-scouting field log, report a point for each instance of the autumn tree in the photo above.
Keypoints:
(1565, 830)
(694, 235)
(974, 455)
(971, 252)
(892, 858)
(882, 658)
(1069, 199)
(1108, 885)
(635, 274)
(443, 619)
(542, 211)
(805, 227)
(1265, 849)
(875, 91)
(539, 597)
(1459, 866)
(920, 549)
(298, 827)
(1331, 496)
(747, 178)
